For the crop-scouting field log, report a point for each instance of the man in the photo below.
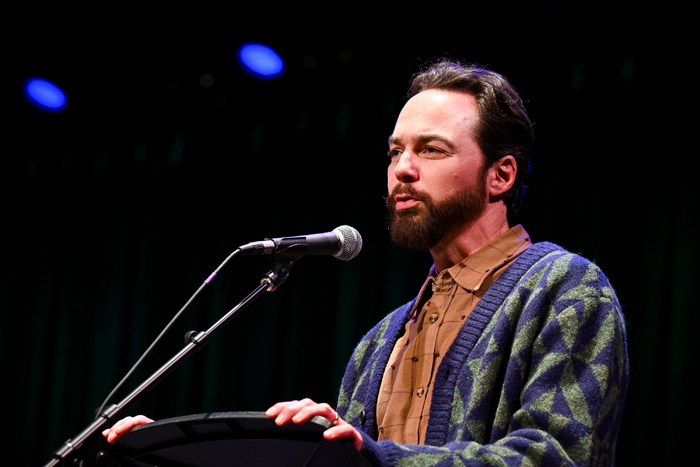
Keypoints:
(512, 353)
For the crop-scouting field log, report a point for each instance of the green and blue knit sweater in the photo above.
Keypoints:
(537, 375)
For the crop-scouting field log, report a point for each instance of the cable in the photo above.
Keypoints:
(209, 279)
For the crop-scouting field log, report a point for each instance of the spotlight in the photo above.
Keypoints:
(44, 95)
(260, 61)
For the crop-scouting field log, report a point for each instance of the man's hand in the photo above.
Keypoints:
(123, 426)
(303, 410)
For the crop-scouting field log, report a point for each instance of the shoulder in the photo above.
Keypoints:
(547, 280)
(561, 269)
(560, 288)
(549, 266)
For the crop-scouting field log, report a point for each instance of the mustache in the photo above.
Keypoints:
(405, 189)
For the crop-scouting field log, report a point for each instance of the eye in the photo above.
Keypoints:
(433, 151)
(394, 153)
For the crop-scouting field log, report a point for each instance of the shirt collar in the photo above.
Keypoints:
(471, 272)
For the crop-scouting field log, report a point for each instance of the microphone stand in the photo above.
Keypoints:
(90, 446)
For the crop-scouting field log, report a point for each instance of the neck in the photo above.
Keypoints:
(459, 244)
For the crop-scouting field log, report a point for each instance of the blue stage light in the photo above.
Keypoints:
(260, 60)
(44, 95)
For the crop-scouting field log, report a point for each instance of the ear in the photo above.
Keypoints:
(501, 175)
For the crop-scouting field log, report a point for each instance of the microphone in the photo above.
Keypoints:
(343, 242)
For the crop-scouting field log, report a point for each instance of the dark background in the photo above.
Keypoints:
(117, 209)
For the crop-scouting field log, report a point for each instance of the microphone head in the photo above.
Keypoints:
(351, 242)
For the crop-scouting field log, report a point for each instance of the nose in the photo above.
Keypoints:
(406, 168)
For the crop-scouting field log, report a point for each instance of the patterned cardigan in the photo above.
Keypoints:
(537, 375)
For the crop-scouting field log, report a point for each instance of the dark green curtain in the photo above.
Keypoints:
(116, 210)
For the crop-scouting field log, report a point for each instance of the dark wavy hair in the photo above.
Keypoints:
(503, 127)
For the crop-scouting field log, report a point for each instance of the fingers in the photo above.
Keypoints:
(344, 430)
(302, 411)
(123, 426)
(309, 411)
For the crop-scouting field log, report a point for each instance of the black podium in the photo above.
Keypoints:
(233, 439)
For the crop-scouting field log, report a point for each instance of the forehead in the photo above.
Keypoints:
(436, 112)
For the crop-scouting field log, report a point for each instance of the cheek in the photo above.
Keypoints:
(464, 175)
(390, 178)
(454, 180)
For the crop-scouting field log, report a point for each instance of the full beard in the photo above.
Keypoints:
(422, 226)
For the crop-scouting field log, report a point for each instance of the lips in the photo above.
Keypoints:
(404, 197)
(405, 201)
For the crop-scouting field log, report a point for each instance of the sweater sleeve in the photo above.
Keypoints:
(553, 397)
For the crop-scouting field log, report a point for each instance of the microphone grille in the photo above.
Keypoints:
(351, 241)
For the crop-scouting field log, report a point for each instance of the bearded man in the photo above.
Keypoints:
(512, 353)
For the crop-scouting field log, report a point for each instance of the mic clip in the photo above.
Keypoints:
(279, 273)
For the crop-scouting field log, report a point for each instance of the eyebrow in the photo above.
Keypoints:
(424, 138)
